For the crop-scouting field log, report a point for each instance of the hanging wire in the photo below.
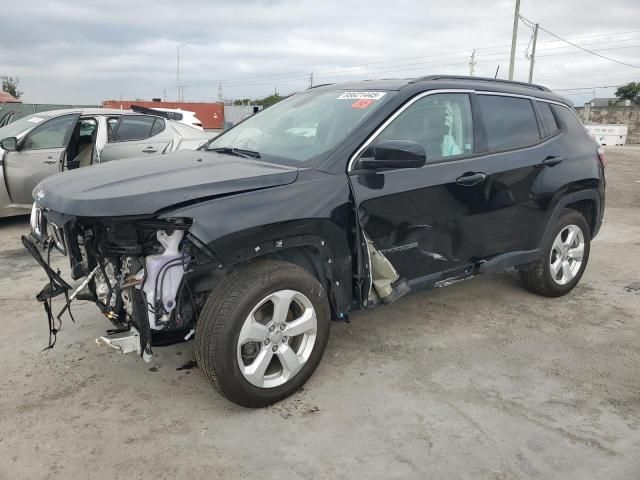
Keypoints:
(529, 22)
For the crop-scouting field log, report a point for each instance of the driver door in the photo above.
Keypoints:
(420, 218)
(40, 154)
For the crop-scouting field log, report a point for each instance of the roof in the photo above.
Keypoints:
(8, 98)
(85, 111)
(452, 82)
(604, 101)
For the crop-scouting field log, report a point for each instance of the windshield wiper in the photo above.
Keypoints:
(240, 152)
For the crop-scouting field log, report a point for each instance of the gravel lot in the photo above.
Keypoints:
(480, 380)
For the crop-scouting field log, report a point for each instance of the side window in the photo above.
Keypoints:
(509, 122)
(548, 118)
(158, 127)
(134, 127)
(87, 127)
(111, 128)
(441, 123)
(51, 134)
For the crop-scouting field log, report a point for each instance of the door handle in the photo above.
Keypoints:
(149, 150)
(471, 178)
(50, 160)
(551, 161)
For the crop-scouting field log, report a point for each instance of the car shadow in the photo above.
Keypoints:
(16, 221)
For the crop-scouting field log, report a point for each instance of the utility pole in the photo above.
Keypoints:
(532, 60)
(472, 63)
(220, 96)
(178, 71)
(178, 47)
(311, 79)
(514, 37)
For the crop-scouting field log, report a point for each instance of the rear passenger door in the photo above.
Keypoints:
(512, 196)
(136, 136)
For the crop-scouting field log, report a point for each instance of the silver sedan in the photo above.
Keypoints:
(42, 144)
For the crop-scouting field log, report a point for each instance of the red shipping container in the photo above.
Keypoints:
(210, 114)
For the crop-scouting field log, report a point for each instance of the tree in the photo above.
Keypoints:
(10, 85)
(268, 101)
(630, 91)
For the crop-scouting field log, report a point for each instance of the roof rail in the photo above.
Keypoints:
(482, 79)
(320, 85)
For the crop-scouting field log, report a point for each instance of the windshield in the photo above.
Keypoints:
(303, 127)
(14, 129)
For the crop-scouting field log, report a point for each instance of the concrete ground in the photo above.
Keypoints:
(480, 380)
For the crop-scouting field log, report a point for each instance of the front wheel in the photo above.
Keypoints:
(564, 258)
(262, 332)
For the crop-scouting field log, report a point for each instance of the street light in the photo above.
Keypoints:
(178, 47)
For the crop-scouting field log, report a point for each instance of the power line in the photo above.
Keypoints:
(304, 73)
(530, 23)
(583, 88)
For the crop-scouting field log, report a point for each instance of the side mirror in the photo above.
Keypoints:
(394, 154)
(9, 143)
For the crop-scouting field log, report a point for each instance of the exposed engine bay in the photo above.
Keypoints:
(135, 272)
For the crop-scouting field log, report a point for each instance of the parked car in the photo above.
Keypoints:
(335, 199)
(45, 143)
(183, 116)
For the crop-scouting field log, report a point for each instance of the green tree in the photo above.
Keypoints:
(630, 91)
(10, 85)
(268, 101)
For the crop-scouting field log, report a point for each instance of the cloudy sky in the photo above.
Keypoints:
(92, 51)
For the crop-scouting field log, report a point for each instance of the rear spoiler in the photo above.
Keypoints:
(158, 113)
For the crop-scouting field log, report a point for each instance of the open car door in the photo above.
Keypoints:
(40, 153)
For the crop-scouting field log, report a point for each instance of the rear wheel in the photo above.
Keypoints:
(565, 257)
(262, 332)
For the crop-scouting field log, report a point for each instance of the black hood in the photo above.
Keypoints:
(143, 186)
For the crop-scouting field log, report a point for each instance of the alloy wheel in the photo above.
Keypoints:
(566, 254)
(277, 338)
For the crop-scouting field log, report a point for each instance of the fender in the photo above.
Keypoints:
(244, 226)
(316, 245)
(514, 259)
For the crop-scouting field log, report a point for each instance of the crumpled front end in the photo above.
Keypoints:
(134, 270)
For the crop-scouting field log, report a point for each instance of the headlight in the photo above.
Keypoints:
(42, 230)
(57, 235)
(37, 222)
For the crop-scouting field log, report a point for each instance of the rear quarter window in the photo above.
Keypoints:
(548, 118)
(158, 127)
(568, 120)
(509, 122)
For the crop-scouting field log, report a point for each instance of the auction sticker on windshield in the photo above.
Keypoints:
(361, 96)
(364, 103)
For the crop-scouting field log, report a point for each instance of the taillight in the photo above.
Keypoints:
(602, 157)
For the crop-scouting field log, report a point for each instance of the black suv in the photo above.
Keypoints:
(338, 198)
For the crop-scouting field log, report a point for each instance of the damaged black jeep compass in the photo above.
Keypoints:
(338, 198)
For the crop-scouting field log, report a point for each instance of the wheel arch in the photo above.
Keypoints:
(587, 202)
(319, 246)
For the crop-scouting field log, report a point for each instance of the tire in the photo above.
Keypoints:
(235, 306)
(540, 278)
